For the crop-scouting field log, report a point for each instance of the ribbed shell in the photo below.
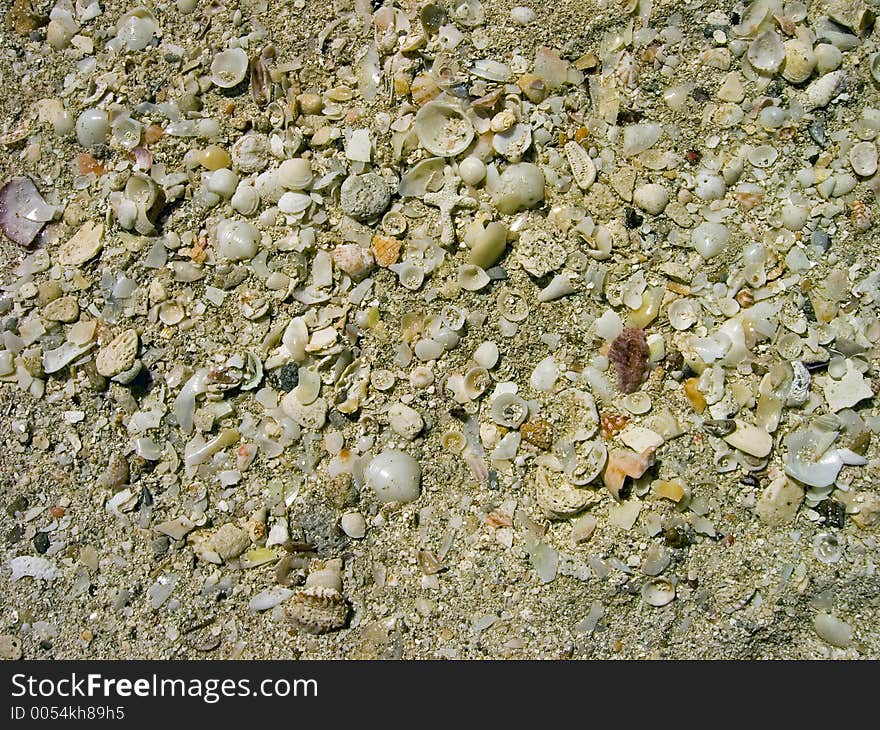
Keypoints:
(318, 610)
(582, 166)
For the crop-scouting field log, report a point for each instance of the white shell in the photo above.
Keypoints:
(394, 476)
(443, 129)
(682, 314)
(229, 68)
(92, 127)
(512, 143)
(224, 182)
(766, 52)
(508, 409)
(409, 273)
(652, 198)
(583, 169)
(246, 199)
(237, 240)
(472, 277)
(472, 170)
(658, 592)
(820, 93)
(295, 174)
(118, 355)
(863, 158)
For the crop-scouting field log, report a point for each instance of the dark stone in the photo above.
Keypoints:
(631, 219)
(676, 537)
(288, 377)
(700, 95)
(19, 504)
(41, 542)
(493, 482)
(833, 512)
(817, 133)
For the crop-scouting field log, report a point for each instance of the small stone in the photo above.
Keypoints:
(354, 525)
(364, 196)
(538, 433)
(64, 309)
(779, 502)
(85, 244)
(833, 630)
(230, 541)
(118, 355)
(41, 542)
(405, 421)
(583, 528)
(176, 529)
(10, 647)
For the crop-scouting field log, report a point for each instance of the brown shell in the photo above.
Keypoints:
(629, 355)
(386, 249)
(318, 610)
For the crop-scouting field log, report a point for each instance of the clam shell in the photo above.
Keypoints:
(118, 355)
(318, 609)
(443, 129)
(229, 68)
(658, 592)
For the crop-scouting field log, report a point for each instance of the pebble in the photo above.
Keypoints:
(364, 197)
(405, 421)
(833, 630)
(230, 541)
(394, 476)
(10, 647)
(651, 198)
(779, 502)
(354, 525)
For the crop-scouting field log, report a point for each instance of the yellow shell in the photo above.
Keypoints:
(386, 249)
(117, 356)
(318, 609)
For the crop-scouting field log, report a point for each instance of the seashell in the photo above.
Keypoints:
(318, 610)
(23, 212)
(874, 66)
(652, 198)
(136, 28)
(710, 239)
(852, 14)
(558, 499)
(512, 143)
(750, 439)
(821, 91)
(118, 355)
(223, 182)
(490, 70)
(423, 89)
(409, 273)
(352, 387)
(560, 286)
(295, 174)
(800, 61)
(92, 127)
(443, 129)
(415, 181)
(682, 314)
(453, 441)
(487, 244)
(251, 152)
(623, 463)
(520, 187)
(583, 461)
(83, 245)
(832, 630)
(583, 169)
(538, 433)
(628, 354)
(476, 381)
(508, 409)
(863, 158)
(237, 240)
(245, 199)
(766, 53)
(386, 249)
(512, 305)
(658, 592)
(639, 137)
(471, 277)
(294, 203)
(229, 67)
(354, 260)
(394, 476)
(636, 403)
(364, 197)
(472, 170)
(486, 355)
(763, 156)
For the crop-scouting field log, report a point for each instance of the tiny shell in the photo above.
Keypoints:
(318, 609)
(386, 249)
(229, 68)
(582, 166)
(354, 260)
(558, 499)
(658, 592)
(863, 158)
(629, 355)
(471, 277)
(508, 409)
(821, 91)
(118, 355)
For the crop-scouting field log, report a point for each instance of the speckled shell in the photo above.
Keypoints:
(560, 500)
(318, 610)
(582, 166)
(820, 93)
(386, 249)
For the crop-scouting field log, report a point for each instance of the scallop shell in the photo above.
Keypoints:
(443, 129)
(318, 609)
(229, 68)
(558, 499)
(582, 166)
(118, 355)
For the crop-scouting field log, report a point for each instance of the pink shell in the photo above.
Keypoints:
(629, 355)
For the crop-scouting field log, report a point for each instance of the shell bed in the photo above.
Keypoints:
(439, 330)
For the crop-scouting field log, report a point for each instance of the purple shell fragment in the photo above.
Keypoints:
(23, 212)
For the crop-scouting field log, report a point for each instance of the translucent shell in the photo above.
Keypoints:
(443, 129)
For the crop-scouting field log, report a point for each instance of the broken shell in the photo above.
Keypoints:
(318, 610)
(623, 463)
(476, 381)
(23, 212)
(752, 440)
(583, 169)
(471, 277)
(508, 409)
(443, 129)
(409, 273)
(512, 306)
(237, 240)
(583, 460)
(558, 499)
(118, 355)
(512, 143)
(658, 592)
(229, 68)
(682, 314)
